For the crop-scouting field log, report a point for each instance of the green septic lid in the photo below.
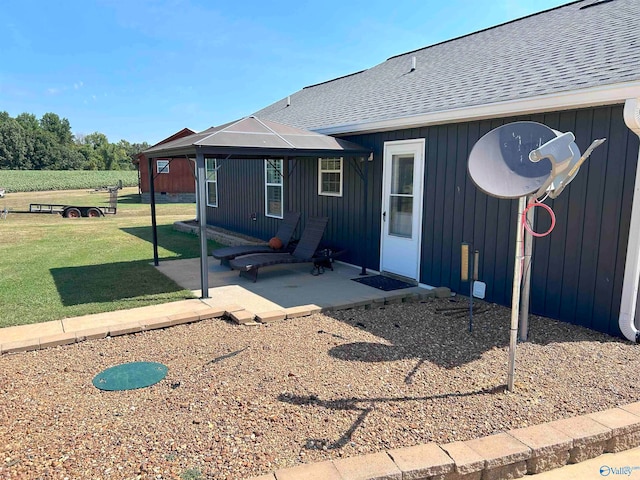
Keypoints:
(130, 376)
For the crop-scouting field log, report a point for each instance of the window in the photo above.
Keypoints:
(273, 188)
(330, 177)
(162, 166)
(211, 165)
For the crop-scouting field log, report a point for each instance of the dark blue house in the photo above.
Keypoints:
(574, 68)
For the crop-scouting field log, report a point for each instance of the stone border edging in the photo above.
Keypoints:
(234, 312)
(76, 336)
(505, 455)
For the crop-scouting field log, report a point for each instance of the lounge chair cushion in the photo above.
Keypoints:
(284, 233)
(306, 248)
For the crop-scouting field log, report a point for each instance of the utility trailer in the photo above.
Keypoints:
(71, 211)
(76, 211)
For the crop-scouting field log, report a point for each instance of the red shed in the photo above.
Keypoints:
(174, 177)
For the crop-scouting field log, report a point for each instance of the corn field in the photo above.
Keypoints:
(42, 180)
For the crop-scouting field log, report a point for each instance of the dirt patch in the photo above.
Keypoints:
(241, 401)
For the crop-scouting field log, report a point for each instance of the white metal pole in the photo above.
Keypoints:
(526, 283)
(515, 298)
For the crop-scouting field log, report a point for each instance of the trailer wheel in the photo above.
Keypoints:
(72, 212)
(94, 212)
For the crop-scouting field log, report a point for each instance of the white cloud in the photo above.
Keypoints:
(54, 91)
(78, 85)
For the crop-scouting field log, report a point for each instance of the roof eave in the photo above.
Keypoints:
(256, 152)
(584, 98)
(188, 150)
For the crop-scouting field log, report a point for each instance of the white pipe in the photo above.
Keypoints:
(515, 295)
(628, 302)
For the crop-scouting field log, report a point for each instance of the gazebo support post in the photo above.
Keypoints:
(154, 228)
(201, 175)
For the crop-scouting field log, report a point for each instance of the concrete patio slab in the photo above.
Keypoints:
(281, 287)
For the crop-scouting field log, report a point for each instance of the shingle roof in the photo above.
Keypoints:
(583, 44)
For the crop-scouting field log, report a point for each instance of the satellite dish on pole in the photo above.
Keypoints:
(523, 158)
(514, 161)
(499, 162)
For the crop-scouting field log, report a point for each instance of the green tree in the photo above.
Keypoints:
(43, 150)
(29, 143)
(67, 157)
(91, 147)
(133, 149)
(13, 146)
(60, 127)
(29, 122)
(95, 140)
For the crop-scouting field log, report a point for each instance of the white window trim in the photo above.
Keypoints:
(266, 189)
(208, 182)
(164, 169)
(321, 171)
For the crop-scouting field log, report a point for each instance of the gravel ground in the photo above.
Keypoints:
(242, 401)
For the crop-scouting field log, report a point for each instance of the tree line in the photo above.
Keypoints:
(29, 143)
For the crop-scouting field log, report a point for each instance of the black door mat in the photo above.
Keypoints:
(383, 283)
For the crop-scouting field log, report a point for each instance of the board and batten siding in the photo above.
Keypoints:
(345, 213)
(241, 185)
(241, 194)
(577, 271)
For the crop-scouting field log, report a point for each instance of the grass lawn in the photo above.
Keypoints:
(52, 267)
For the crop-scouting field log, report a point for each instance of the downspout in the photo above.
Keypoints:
(628, 302)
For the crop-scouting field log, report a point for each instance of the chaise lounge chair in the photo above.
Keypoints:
(284, 233)
(304, 252)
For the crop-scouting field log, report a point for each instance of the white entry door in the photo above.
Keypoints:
(402, 207)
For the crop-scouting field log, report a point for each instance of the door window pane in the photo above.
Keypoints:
(400, 216)
(402, 174)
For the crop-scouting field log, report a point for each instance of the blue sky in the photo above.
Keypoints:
(141, 70)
